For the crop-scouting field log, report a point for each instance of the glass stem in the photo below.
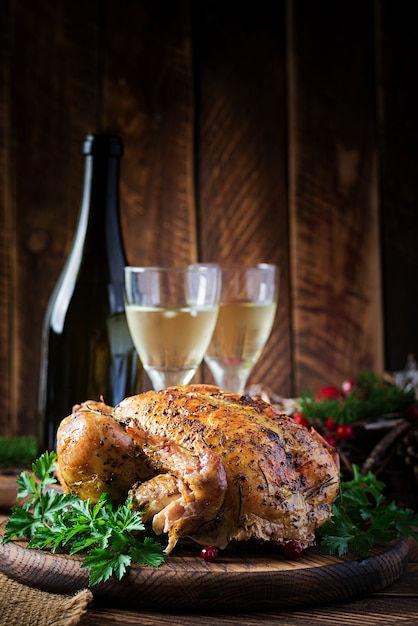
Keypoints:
(232, 380)
(160, 378)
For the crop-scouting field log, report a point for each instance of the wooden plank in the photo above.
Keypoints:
(148, 98)
(247, 580)
(71, 68)
(6, 228)
(241, 152)
(334, 221)
(363, 612)
(54, 92)
(398, 103)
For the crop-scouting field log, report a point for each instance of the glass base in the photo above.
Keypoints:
(230, 375)
(161, 378)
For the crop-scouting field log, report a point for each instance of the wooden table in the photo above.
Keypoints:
(395, 604)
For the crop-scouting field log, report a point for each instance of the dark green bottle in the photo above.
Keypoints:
(87, 352)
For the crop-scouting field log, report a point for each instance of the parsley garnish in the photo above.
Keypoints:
(109, 536)
(361, 518)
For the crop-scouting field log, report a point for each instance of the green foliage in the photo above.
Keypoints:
(17, 451)
(371, 398)
(361, 518)
(110, 537)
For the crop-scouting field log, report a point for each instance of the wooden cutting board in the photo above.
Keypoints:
(245, 579)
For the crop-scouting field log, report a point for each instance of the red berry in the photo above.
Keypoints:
(346, 386)
(293, 549)
(299, 419)
(330, 424)
(209, 553)
(411, 413)
(345, 432)
(326, 393)
(330, 440)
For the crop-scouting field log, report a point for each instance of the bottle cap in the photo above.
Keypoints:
(109, 145)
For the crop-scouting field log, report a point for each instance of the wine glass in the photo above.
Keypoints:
(171, 314)
(247, 310)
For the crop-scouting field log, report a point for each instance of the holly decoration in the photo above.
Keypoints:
(367, 398)
(347, 386)
(345, 432)
(371, 421)
(330, 424)
(331, 441)
(299, 419)
(326, 393)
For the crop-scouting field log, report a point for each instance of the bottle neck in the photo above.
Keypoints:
(96, 256)
(98, 232)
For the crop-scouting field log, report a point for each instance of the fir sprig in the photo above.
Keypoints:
(361, 518)
(110, 538)
(371, 398)
(18, 452)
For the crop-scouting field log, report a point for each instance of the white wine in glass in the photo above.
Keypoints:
(247, 310)
(171, 313)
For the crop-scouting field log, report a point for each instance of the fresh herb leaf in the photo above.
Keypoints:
(104, 564)
(361, 518)
(110, 537)
(146, 555)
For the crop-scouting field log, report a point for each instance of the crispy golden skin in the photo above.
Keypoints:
(204, 464)
(228, 467)
(96, 455)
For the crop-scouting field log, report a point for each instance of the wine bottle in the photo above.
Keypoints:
(87, 352)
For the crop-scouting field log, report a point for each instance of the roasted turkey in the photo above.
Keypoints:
(204, 464)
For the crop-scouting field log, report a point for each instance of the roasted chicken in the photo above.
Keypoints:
(96, 455)
(211, 466)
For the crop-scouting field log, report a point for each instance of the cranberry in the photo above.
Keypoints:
(411, 413)
(330, 440)
(346, 386)
(209, 553)
(293, 549)
(326, 393)
(345, 432)
(330, 424)
(299, 419)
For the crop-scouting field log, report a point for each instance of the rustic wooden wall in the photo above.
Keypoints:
(333, 200)
(281, 132)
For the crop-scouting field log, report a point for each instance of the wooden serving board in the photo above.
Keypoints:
(245, 579)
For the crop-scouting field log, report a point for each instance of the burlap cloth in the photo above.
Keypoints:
(24, 606)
